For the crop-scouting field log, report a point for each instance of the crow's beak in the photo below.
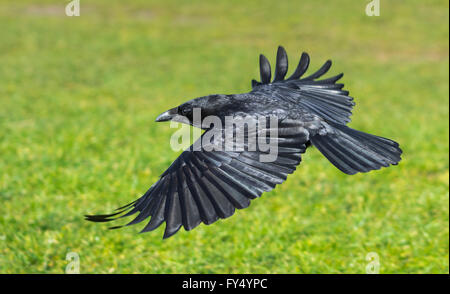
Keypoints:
(168, 115)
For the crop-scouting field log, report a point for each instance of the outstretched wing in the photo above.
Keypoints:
(204, 186)
(324, 98)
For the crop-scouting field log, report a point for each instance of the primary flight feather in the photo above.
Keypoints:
(204, 185)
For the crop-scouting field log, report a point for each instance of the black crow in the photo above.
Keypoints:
(204, 185)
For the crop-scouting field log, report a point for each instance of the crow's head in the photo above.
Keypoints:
(199, 108)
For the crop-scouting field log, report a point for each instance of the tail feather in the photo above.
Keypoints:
(353, 151)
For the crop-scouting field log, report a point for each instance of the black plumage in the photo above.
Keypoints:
(204, 185)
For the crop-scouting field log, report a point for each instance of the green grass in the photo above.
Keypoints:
(78, 99)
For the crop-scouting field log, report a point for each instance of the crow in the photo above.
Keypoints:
(205, 185)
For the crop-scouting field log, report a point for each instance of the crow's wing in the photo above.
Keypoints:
(324, 98)
(204, 186)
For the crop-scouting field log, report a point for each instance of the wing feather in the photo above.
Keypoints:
(324, 98)
(204, 186)
(265, 71)
(281, 67)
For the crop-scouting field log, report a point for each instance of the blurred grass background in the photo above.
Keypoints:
(78, 99)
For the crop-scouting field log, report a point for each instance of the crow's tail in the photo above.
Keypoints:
(353, 151)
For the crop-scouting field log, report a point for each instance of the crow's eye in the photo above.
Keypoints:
(184, 111)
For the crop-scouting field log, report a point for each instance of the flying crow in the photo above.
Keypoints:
(207, 184)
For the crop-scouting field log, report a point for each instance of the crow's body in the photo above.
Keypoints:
(204, 186)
